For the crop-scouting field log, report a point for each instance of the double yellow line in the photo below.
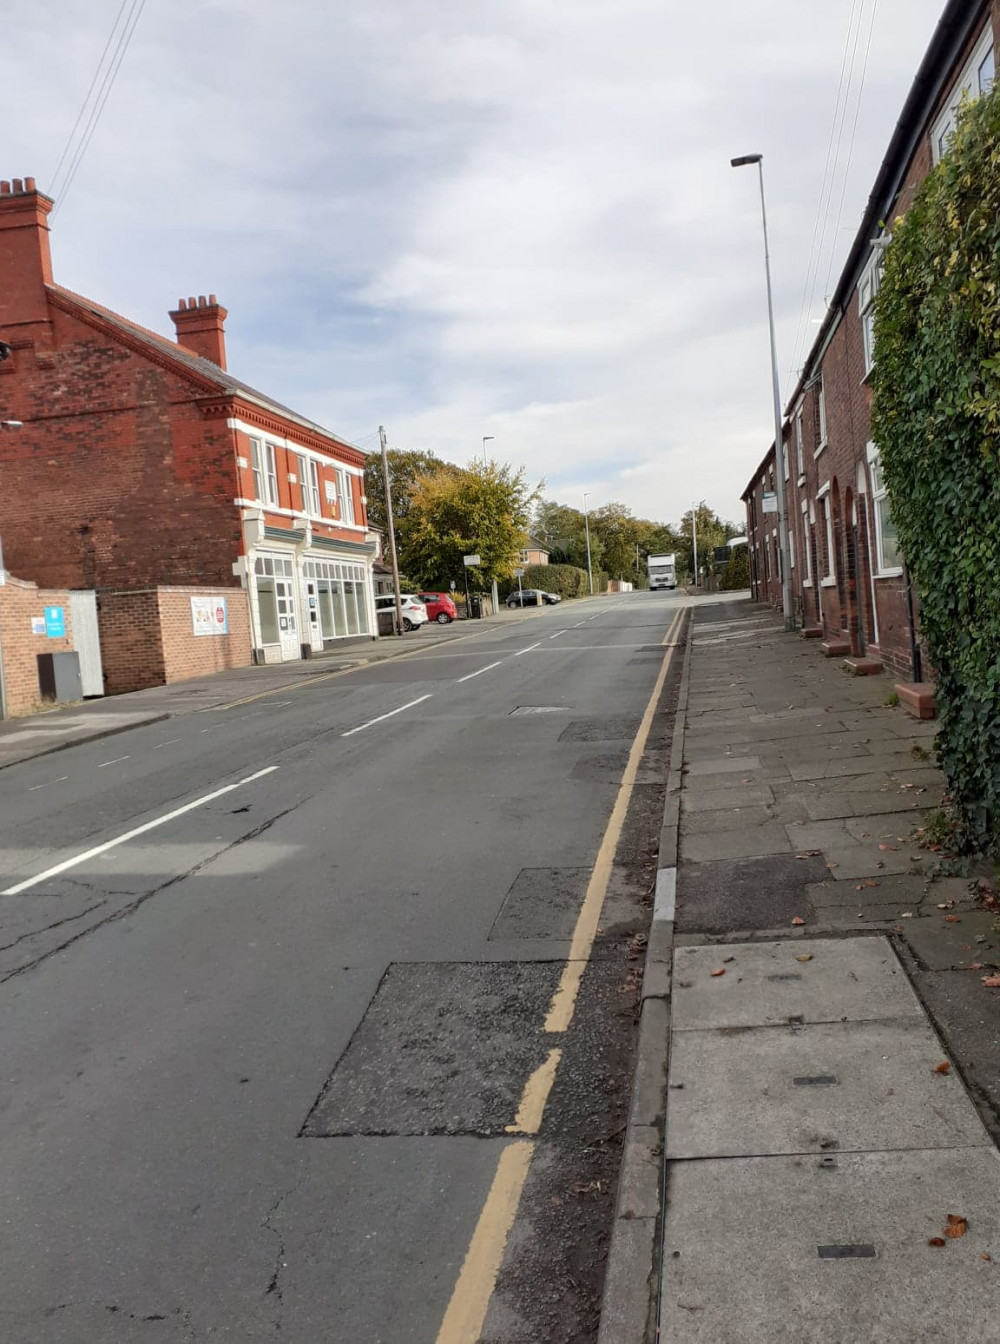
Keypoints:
(463, 1320)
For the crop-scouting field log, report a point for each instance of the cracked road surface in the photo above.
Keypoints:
(266, 1037)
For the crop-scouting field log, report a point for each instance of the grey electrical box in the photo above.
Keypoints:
(59, 677)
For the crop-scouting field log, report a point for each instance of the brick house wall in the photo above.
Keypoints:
(131, 648)
(19, 602)
(186, 654)
(835, 578)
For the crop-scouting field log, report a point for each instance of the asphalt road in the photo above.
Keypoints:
(266, 1036)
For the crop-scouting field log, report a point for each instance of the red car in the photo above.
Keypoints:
(440, 607)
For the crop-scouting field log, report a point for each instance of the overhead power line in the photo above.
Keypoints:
(115, 49)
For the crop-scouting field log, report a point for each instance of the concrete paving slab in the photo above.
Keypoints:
(853, 979)
(713, 823)
(745, 843)
(724, 765)
(848, 1086)
(849, 862)
(743, 1265)
(968, 1016)
(891, 827)
(862, 804)
(700, 796)
(906, 889)
(941, 943)
(861, 764)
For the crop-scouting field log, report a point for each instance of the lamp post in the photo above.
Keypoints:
(694, 542)
(392, 531)
(487, 438)
(779, 444)
(586, 523)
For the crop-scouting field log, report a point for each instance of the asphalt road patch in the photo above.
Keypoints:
(444, 1048)
(761, 893)
(545, 903)
(613, 728)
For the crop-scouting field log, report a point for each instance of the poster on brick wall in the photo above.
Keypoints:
(209, 616)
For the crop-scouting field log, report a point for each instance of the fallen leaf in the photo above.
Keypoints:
(889, 847)
(871, 882)
(721, 970)
(942, 905)
(806, 956)
(935, 1241)
(957, 1226)
(991, 981)
(975, 966)
(808, 854)
(833, 865)
(859, 887)
(943, 1067)
(952, 919)
(986, 1256)
(728, 959)
(799, 920)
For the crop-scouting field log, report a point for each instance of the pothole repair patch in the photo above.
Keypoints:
(444, 1048)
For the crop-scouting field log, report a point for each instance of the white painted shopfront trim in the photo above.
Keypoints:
(255, 432)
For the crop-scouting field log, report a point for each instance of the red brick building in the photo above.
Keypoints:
(848, 576)
(218, 526)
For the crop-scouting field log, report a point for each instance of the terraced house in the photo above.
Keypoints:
(217, 526)
(849, 577)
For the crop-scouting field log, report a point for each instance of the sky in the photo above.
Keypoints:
(461, 218)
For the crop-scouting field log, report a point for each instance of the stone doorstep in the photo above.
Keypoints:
(863, 667)
(811, 632)
(835, 648)
(917, 698)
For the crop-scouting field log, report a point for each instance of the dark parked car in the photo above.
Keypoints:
(440, 607)
(533, 597)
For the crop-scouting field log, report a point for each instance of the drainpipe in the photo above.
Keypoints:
(915, 659)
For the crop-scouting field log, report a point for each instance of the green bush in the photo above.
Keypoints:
(936, 421)
(566, 580)
(735, 574)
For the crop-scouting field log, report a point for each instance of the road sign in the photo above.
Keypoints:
(55, 622)
(469, 560)
(518, 573)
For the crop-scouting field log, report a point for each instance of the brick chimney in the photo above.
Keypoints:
(25, 263)
(200, 327)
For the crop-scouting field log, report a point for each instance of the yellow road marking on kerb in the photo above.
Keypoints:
(463, 1321)
(536, 1093)
(564, 1000)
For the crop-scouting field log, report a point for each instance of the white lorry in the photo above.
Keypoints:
(662, 571)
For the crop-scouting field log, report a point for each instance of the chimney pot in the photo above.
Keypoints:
(18, 186)
(4, 188)
(192, 302)
(201, 301)
(213, 300)
(200, 328)
(29, 184)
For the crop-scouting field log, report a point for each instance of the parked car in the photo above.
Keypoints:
(440, 607)
(414, 611)
(533, 597)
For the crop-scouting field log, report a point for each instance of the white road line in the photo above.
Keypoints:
(479, 673)
(557, 634)
(528, 649)
(61, 780)
(166, 744)
(116, 761)
(130, 835)
(362, 726)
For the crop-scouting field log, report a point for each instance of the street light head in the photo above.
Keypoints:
(11, 424)
(745, 159)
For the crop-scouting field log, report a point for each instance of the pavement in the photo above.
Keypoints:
(810, 1153)
(23, 738)
(318, 1005)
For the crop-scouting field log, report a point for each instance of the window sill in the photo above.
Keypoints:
(802, 480)
(888, 573)
(868, 376)
(829, 582)
(807, 583)
(820, 449)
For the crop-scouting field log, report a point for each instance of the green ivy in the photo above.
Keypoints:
(936, 421)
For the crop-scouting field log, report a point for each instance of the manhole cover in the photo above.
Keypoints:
(539, 709)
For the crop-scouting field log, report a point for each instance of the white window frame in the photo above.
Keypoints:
(300, 479)
(970, 85)
(821, 408)
(828, 579)
(257, 467)
(879, 500)
(270, 473)
(791, 549)
(806, 557)
(315, 500)
(799, 446)
(868, 287)
(345, 498)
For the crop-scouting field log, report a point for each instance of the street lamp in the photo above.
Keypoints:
(11, 424)
(487, 438)
(779, 444)
(586, 523)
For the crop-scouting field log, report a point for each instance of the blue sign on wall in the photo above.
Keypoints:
(55, 622)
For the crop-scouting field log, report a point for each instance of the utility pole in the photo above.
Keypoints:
(392, 530)
(586, 523)
(694, 541)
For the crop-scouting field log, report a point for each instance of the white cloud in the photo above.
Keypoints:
(460, 219)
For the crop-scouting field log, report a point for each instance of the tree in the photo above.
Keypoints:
(405, 465)
(563, 529)
(617, 534)
(482, 510)
(936, 423)
(712, 531)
